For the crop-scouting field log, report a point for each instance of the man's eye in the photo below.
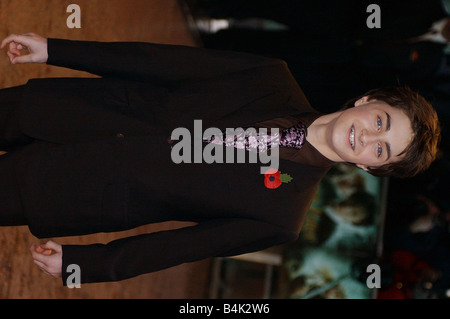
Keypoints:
(379, 123)
(379, 150)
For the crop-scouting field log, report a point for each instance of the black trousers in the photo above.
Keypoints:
(12, 141)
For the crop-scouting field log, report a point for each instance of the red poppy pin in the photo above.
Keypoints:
(273, 178)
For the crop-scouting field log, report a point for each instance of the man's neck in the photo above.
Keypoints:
(319, 135)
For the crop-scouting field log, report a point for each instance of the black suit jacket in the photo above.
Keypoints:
(104, 161)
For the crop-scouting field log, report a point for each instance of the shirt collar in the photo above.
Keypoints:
(308, 154)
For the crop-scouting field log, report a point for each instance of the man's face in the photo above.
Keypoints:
(371, 134)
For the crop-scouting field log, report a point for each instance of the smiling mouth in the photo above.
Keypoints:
(351, 137)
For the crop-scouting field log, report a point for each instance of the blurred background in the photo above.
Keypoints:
(355, 220)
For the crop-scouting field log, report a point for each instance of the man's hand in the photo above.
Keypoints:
(48, 257)
(33, 43)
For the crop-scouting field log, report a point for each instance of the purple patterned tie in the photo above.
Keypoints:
(293, 137)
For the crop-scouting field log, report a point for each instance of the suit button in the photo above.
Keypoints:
(120, 135)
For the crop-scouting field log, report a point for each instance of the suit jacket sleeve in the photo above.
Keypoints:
(133, 256)
(148, 62)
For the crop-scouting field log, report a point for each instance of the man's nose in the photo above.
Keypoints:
(368, 137)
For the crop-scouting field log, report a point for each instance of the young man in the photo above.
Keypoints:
(96, 153)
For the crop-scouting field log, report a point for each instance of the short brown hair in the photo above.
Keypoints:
(422, 150)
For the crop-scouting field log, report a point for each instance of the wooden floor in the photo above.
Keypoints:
(159, 21)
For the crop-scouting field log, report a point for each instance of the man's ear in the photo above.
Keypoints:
(363, 167)
(362, 101)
